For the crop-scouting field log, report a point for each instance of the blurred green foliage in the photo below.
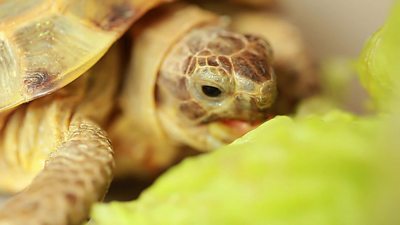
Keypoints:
(379, 65)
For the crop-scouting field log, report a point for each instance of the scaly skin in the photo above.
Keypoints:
(75, 176)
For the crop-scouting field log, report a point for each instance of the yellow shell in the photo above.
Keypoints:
(46, 44)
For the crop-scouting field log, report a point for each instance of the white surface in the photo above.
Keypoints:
(337, 28)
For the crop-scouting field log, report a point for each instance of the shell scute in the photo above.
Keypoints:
(49, 48)
(119, 14)
(37, 81)
(9, 81)
(106, 15)
(51, 43)
(12, 9)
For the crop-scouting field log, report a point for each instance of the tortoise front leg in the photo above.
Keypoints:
(54, 149)
(75, 176)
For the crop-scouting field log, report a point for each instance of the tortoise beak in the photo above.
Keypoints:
(252, 108)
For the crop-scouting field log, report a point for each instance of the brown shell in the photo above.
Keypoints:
(46, 44)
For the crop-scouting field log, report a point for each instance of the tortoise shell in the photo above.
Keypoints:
(44, 44)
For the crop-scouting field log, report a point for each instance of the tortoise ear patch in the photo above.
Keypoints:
(192, 110)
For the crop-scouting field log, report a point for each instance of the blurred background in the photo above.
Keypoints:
(336, 28)
(335, 32)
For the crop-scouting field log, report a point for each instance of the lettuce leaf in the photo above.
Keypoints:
(307, 171)
(379, 64)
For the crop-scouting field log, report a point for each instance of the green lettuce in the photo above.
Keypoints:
(325, 168)
(379, 65)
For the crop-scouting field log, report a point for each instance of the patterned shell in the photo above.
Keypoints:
(46, 44)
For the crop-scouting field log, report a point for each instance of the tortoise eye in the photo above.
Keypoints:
(211, 91)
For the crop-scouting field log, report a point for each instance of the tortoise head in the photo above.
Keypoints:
(215, 85)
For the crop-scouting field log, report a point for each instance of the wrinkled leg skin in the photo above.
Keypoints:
(75, 176)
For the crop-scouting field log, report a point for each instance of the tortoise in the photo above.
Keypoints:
(189, 84)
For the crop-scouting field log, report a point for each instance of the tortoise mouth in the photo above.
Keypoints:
(228, 130)
(240, 126)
